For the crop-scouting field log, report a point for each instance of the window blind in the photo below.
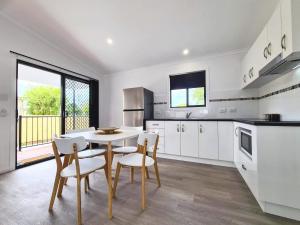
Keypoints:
(188, 80)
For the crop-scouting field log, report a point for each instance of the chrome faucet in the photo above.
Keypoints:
(188, 115)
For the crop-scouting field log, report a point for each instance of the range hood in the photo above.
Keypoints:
(281, 66)
(276, 68)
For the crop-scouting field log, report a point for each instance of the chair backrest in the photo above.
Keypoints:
(81, 130)
(65, 145)
(151, 139)
(131, 128)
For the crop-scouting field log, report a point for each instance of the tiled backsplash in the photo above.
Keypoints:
(241, 107)
(226, 108)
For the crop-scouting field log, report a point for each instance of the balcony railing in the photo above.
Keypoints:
(38, 130)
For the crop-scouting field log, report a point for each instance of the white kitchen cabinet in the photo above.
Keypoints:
(255, 59)
(286, 27)
(172, 137)
(290, 17)
(189, 138)
(281, 35)
(236, 143)
(260, 55)
(225, 133)
(274, 35)
(245, 69)
(208, 140)
(155, 124)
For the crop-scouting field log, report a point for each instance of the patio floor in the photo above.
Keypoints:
(31, 154)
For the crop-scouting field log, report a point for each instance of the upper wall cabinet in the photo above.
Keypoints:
(290, 22)
(280, 37)
(273, 46)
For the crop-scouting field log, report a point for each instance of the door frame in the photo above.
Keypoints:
(63, 77)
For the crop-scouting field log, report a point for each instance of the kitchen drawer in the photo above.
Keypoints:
(155, 124)
(248, 170)
(160, 132)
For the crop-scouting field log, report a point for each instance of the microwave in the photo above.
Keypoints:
(246, 142)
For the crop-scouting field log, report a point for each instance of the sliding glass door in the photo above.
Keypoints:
(50, 103)
(76, 108)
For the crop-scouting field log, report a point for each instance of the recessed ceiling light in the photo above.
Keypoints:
(185, 51)
(109, 41)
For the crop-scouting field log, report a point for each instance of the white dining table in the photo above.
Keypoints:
(107, 139)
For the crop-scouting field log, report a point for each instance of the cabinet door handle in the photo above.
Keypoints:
(250, 74)
(244, 167)
(182, 128)
(236, 131)
(269, 48)
(244, 79)
(155, 124)
(178, 128)
(265, 53)
(201, 129)
(283, 43)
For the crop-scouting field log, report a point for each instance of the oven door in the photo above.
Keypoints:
(246, 143)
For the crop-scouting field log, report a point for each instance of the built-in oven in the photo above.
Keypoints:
(246, 142)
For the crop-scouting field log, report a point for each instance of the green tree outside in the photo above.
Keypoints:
(43, 100)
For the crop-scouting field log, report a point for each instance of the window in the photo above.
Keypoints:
(188, 90)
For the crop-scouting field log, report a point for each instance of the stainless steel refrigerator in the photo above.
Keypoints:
(137, 106)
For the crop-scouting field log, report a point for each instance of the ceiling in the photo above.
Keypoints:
(145, 32)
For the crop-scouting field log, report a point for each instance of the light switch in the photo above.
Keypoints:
(3, 112)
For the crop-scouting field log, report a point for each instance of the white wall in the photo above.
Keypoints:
(288, 103)
(224, 73)
(17, 39)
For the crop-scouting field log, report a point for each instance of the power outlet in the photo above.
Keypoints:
(222, 110)
(233, 110)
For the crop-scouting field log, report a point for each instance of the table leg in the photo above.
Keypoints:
(109, 162)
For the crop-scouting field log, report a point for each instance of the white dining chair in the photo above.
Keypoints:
(123, 150)
(79, 169)
(87, 153)
(126, 149)
(142, 161)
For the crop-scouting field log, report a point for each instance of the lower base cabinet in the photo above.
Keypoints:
(172, 137)
(225, 133)
(189, 138)
(208, 140)
(197, 139)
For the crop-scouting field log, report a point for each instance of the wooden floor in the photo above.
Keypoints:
(190, 194)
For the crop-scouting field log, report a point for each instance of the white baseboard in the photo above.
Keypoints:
(281, 210)
(196, 160)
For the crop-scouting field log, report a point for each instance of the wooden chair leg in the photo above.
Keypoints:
(88, 182)
(60, 187)
(69, 163)
(157, 174)
(131, 174)
(54, 191)
(79, 219)
(143, 191)
(147, 173)
(106, 166)
(119, 166)
(85, 185)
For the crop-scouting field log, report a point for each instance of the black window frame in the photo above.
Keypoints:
(187, 92)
